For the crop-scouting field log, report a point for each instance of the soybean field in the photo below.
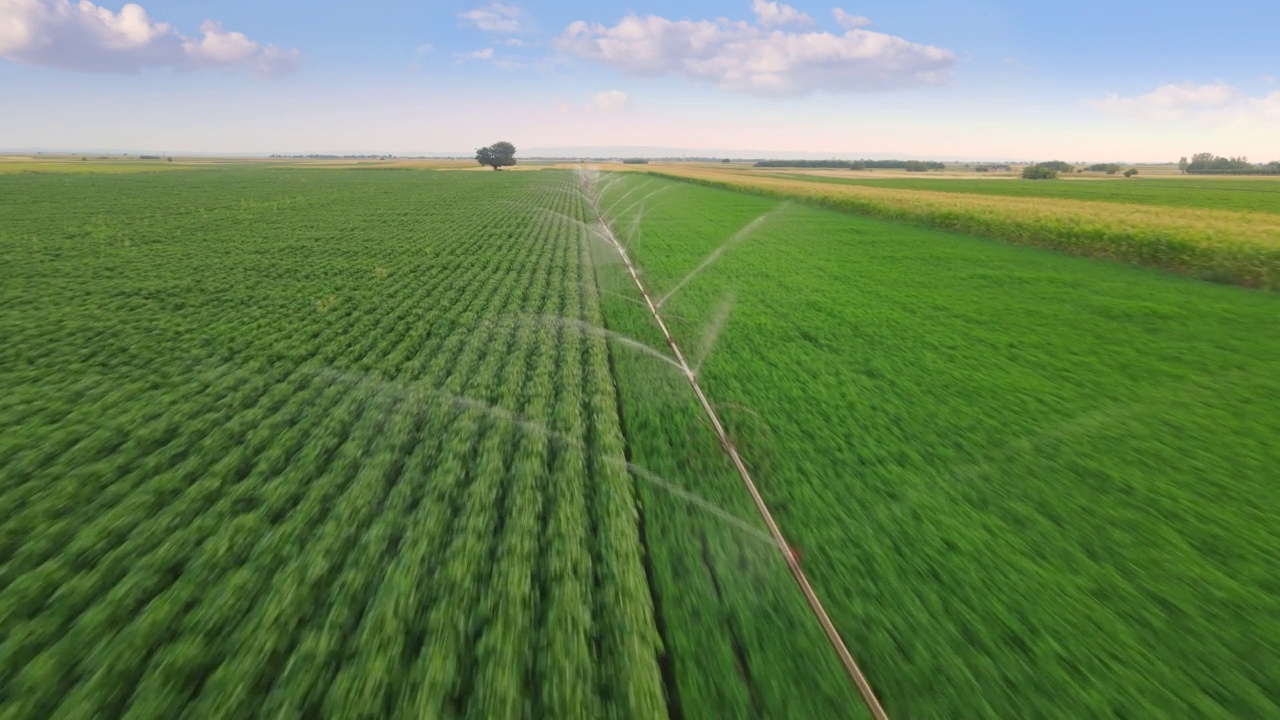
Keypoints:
(294, 441)
(312, 444)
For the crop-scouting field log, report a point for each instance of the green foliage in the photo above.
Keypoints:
(1210, 164)
(497, 155)
(1039, 172)
(1004, 468)
(909, 165)
(1057, 165)
(636, 161)
(740, 639)
(233, 485)
(1108, 168)
(1130, 172)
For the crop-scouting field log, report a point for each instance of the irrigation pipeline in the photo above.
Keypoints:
(833, 635)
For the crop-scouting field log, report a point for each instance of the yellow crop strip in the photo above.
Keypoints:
(1222, 245)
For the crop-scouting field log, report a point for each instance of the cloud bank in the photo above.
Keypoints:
(1216, 101)
(500, 18)
(758, 59)
(89, 38)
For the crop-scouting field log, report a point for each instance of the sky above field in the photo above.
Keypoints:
(1136, 81)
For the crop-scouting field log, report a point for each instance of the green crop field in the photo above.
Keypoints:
(248, 467)
(1248, 195)
(304, 442)
(1221, 245)
(1026, 484)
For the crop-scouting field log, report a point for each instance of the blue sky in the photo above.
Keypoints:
(1133, 80)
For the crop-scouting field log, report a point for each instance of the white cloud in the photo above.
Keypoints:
(496, 18)
(491, 56)
(219, 48)
(610, 101)
(1175, 100)
(86, 37)
(515, 42)
(849, 21)
(742, 57)
(1266, 109)
(1215, 104)
(509, 64)
(776, 14)
(484, 54)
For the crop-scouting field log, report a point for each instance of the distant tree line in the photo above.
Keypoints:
(908, 165)
(1210, 164)
(992, 167)
(1049, 170)
(636, 161)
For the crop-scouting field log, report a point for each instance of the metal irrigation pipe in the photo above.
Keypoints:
(833, 635)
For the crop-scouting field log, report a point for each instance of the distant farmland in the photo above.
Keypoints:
(1216, 193)
(1222, 245)
(310, 442)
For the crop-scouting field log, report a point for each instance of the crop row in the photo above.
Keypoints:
(262, 453)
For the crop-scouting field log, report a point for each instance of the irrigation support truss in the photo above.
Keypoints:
(833, 635)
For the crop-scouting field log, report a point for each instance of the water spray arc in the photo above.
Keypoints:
(591, 192)
(497, 413)
(738, 237)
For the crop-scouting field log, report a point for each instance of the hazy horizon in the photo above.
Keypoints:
(1146, 82)
(538, 153)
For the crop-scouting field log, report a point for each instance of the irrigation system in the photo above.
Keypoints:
(846, 658)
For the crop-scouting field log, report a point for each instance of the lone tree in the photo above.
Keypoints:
(1039, 171)
(497, 155)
